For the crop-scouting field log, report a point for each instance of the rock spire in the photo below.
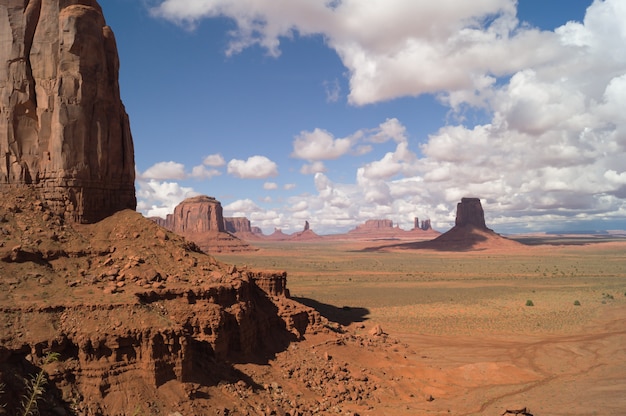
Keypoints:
(63, 128)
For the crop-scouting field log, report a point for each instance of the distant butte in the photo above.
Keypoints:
(470, 232)
(200, 220)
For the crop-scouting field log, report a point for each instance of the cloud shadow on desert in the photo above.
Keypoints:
(344, 315)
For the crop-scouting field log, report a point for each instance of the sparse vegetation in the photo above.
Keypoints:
(529, 303)
(576, 303)
(35, 388)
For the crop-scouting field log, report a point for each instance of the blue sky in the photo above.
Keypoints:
(340, 112)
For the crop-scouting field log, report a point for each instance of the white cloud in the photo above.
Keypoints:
(157, 199)
(319, 145)
(289, 186)
(164, 171)
(201, 172)
(270, 186)
(215, 160)
(313, 168)
(554, 139)
(241, 207)
(256, 167)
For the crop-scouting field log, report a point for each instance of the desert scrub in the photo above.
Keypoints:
(529, 303)
(35, 388)
(576, 303)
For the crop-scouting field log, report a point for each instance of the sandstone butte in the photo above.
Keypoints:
(200, 219)
(63, 128)
(470, 232)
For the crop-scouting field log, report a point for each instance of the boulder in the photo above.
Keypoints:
(63, 128)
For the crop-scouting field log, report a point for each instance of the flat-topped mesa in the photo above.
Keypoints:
(470, 212)
(200, 220)
(237, 225)
(198, 214)
(63, 128)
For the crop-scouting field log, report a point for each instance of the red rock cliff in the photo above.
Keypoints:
(63, 127)
(200, 220)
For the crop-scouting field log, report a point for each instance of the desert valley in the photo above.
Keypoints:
(106, 312)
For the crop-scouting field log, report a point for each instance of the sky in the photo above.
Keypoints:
(339, 111)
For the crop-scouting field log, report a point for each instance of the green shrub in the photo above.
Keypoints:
(529, 303)
(35, 388)
(576, 303)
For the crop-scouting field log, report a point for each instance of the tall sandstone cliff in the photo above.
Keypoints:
(63, 127)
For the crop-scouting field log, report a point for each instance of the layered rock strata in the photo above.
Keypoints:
(129, 307)
(63, 127)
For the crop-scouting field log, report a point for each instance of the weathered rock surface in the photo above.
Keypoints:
(63, 127)
(470, 212)
(200, 220)
(241, 228)
(130, 308)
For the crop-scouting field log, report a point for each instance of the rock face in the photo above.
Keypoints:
(424, 225)
(129, 307)
(237, 225)
(200, 220)
(376, 224)
(470, 212)
(63, 128)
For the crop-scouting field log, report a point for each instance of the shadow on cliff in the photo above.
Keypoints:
(344, 315)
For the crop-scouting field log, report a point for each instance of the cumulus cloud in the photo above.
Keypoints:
(313, 168)
(318, 145)
(554, 137)
(202, 172)
(270, 186)
(164, 171)
(159, 198)
(391, 48)
(255, 167)
(215, 160)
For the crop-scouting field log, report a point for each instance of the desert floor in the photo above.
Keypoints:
(461, 338)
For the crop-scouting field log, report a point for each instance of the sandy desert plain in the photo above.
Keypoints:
(461, 335)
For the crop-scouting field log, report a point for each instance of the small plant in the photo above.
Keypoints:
(2, 392)
(576, 303)
(35, 388)
(529, 303)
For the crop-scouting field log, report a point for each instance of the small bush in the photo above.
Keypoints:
(529, 303)
(576, 303)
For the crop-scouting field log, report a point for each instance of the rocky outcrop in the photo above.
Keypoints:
(241, 228)
(470, 232)
(63, 127)
(237, 225)
(376, 225)
(200, 219)
(424, 225)
(469, 212)
(129, 307)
